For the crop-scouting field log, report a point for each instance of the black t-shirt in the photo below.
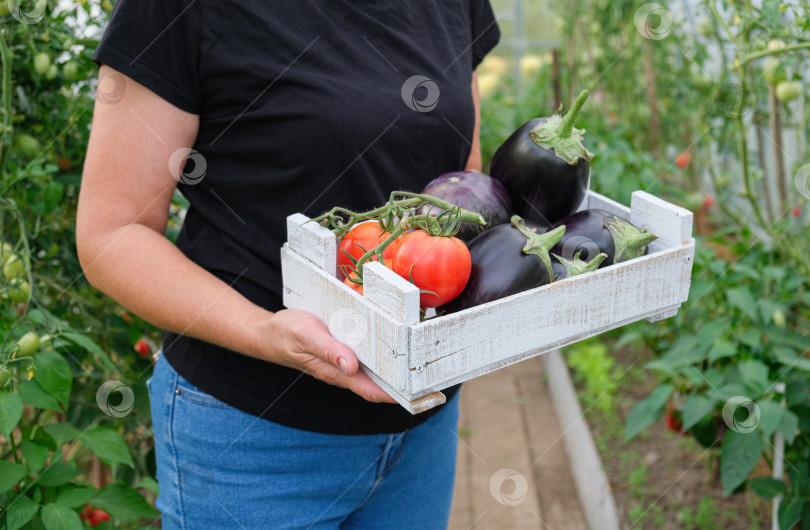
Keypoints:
(301, 108)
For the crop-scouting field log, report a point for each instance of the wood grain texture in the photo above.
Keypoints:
(412, 405)
(453, 347)
(391, 293)
(312, 241)
(379, 341)
(597, 201)
(672, 224)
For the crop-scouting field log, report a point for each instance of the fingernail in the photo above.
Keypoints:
(342, 364)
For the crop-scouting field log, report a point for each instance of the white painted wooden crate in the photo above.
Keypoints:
(414, 361)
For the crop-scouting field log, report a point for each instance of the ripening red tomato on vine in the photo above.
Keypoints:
(361, 238)
(438, 264)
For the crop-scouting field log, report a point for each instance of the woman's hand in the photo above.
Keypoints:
(300, 340)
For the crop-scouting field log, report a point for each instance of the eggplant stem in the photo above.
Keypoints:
(539, 244)
(570, 117)
(578, 266)
(630, 241)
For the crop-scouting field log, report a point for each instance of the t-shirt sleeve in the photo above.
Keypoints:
(485, 30)
(156, 43)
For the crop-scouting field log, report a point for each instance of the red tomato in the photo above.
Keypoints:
(143, 348)
(796, 212)
(86, 512)
(708, 201)
(98, 517)
(361, 238)
(438, 264)
(682, 160)
(359, 288)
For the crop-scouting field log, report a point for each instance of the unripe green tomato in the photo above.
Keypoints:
(6, 251)
(774, 71)
(29, 145)
(5, 377)
(106, 5)
(4, 9)
(71, 70)
(19, 292)
(45, 341)
(788, 90)
(705, 27)
(29, 344)
(13, 268)
(776, 44)
(779, 318)
(52, 72)
(42, 62)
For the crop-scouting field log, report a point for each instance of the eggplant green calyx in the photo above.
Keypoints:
(578, 266)
(630, 241)
(539, 244)
(558, 133)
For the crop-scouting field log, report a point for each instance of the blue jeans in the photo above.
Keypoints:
(219, 467)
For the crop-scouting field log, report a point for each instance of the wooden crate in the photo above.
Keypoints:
(413, 361)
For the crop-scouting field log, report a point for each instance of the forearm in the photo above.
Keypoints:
(148, 275)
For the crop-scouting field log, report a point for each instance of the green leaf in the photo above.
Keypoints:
(797, 392)
(62, 432)
(647, 411)
(75, 497)
(695, 409)
(711, 332)
(790, 357)
(767, 487)
(11, 474)
(32, 393)
(738, 456)
(789, 512)
(788, 425)
(52, 195)
(770, 416)
(754, 375)
(11, 409)
(20, 511)
(35, 455)
(56, 517)
(751, 338)
(721, 349)
(85, 342)
(123, 503)
(108, 445)
(57, 474)
(742, 299)
(770, 8)
(52, 372)
(148, 483)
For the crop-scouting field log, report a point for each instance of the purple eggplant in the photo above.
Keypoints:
(471, 191)
(507, 259)
(591, 232)
(545, 166)
(564, 268)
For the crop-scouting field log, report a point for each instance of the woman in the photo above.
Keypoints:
(261, 418)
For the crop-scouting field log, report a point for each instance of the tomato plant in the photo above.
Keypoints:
(360, 239)
(440, 265)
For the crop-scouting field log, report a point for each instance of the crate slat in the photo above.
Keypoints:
(392, 293)
(672, 224)
(380, 342)
(547, 317)
(312, 241)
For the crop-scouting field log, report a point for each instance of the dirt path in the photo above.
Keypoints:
(512, 467)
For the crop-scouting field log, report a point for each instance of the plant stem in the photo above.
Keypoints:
(5, 93)
(743, 144)
(570, 117)
(779, 51)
